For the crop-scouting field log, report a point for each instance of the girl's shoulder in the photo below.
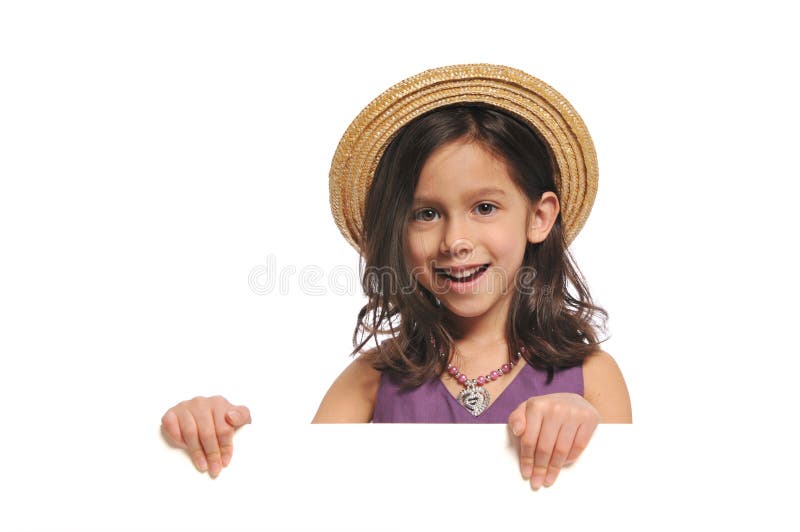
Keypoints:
(351, 397)
(604, 387)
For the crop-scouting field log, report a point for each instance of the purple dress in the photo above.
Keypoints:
(432, 402)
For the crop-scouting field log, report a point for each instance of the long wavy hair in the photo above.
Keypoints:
(552, 321)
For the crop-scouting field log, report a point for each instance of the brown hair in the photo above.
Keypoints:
(552, 327)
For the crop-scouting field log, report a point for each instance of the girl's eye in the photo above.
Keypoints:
(485, 208)
(425, 215)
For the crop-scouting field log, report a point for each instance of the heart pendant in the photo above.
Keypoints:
(474, 399)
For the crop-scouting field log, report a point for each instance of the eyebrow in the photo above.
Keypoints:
(486, 191)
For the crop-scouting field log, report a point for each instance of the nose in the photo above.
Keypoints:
(455, 243)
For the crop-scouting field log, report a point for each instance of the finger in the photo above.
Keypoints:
(544, 450)
(516, 420)
(189, 434)
(527, 442)
(566, 436)
(171, 427)
(582, 437)
(238, 416)
(207, 431)
(224, 435)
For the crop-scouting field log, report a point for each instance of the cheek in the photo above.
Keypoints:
(417, 250)
(511, 248)
(517, 251)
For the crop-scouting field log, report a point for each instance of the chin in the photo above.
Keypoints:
(465, 311)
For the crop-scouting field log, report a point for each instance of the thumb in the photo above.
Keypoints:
(517, 421)
(238, 416)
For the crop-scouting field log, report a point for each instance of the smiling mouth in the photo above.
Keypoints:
(464, 276)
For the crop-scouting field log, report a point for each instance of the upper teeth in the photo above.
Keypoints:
(464, 273)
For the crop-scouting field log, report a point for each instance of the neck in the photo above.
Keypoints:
(480, 344)
(479, 332)
(480, 341)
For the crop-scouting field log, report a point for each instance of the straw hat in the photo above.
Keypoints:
(532, 100)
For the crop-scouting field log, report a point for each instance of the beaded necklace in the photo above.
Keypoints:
(474, 397)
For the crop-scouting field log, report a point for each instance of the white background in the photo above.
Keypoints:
(152, 154)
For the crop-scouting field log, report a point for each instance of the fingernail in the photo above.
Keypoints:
(226, 459)
(215, 469)
(202, 465)
(549, 479)
(233, 415)
(537, 481)
(516, 428)
(526, 471)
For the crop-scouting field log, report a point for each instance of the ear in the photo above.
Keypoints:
(541, 217)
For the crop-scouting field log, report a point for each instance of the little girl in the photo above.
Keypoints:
(461, 188)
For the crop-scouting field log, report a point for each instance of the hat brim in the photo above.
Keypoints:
(546, 111)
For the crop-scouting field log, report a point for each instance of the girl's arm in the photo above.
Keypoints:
(604, 387)
(351, 397)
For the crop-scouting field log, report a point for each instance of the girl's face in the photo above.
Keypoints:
(469, 228)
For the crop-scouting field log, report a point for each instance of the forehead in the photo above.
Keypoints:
(464, 168)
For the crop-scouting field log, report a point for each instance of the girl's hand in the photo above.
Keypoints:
(554, 430)
(204, 426)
